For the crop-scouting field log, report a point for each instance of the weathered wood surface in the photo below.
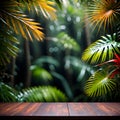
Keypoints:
(83, 111)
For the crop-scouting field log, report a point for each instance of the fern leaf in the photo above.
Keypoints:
(42, 94)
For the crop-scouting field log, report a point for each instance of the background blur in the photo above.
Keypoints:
(56, 61)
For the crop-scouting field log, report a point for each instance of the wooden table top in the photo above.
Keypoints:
(60, 109)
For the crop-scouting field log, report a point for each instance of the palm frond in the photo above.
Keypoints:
(45, 6)
(12, 16)
(42, 94)
(7, 93)
(104, 13)
(102, 50)
(8, 47)
(99, 84)
(19, 23)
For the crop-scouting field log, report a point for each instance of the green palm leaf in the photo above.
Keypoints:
(7, 47)
(99, 84)
(102, 50)
(7, 93)
(42, 94)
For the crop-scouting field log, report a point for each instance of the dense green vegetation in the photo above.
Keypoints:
(59, 50)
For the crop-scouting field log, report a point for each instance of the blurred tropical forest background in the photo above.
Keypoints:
(59, 50)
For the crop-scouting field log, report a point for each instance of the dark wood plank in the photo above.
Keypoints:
(94, 109)
(33, 109)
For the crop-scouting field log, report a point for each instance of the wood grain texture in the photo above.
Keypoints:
(83, 110)
(33, 109)
(94, 109)
(52, 109)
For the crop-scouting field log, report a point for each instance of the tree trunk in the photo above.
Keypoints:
(12, 71)
(87, 30)
(27, 81)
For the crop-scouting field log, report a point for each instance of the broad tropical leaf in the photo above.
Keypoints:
(102, 50)
(99, 84)
(8, 47)
(42, 94)
(104, 13)
(40, 74)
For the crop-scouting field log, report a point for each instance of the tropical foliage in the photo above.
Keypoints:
(102, 50)
(42, 94)
(40, 73)
(99, 84)
(7, 93)
(106, 51)
(104, 13)
(34, 94)
(7, 47)
(13, 20)
(58, 60)
(64, 41)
